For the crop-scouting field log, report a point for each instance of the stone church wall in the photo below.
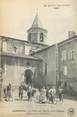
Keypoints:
(49, 64)
(14, 68)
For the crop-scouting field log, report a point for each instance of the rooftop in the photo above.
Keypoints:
(44, 49)
(37, 24)
(21, 56)
(2, 37)
(68, 40)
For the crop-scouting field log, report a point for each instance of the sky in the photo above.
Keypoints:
(16, 17)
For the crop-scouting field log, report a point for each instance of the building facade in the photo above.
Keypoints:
(13, 63)
(49, 56)
(15, 54)
(50, 65)
(68, 62)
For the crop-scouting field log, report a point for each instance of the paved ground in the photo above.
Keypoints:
(30, 109)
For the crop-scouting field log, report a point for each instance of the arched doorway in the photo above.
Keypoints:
(28, 74)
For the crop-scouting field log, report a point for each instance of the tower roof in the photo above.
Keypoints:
(36, 22)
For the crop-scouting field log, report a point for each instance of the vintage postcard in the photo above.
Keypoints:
(38, 58)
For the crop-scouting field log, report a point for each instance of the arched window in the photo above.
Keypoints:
(41, 37)
(45, 68)
(15, 48)
(65, 70)
(29, 37)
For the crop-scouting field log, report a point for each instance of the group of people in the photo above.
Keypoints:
(49, 95)
(7, 92)
(42, 95)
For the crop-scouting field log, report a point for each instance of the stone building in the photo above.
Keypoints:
(49, 55)
(50, 64)
(15, 54)
(60, 63)
(67, 52)
(36, 33)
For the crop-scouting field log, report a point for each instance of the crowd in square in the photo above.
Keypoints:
(37, 95)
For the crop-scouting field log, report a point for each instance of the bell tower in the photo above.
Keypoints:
(36, 33)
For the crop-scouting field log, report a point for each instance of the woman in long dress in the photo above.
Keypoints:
(42, 98)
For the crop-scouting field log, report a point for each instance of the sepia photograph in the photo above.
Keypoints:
(38, 58)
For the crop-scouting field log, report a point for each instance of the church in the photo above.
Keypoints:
(15, 54)
(44, 60)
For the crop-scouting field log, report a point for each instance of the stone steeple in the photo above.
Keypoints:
(37, 34)
(36, 22)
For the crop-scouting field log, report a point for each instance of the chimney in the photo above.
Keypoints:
(71, 34)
